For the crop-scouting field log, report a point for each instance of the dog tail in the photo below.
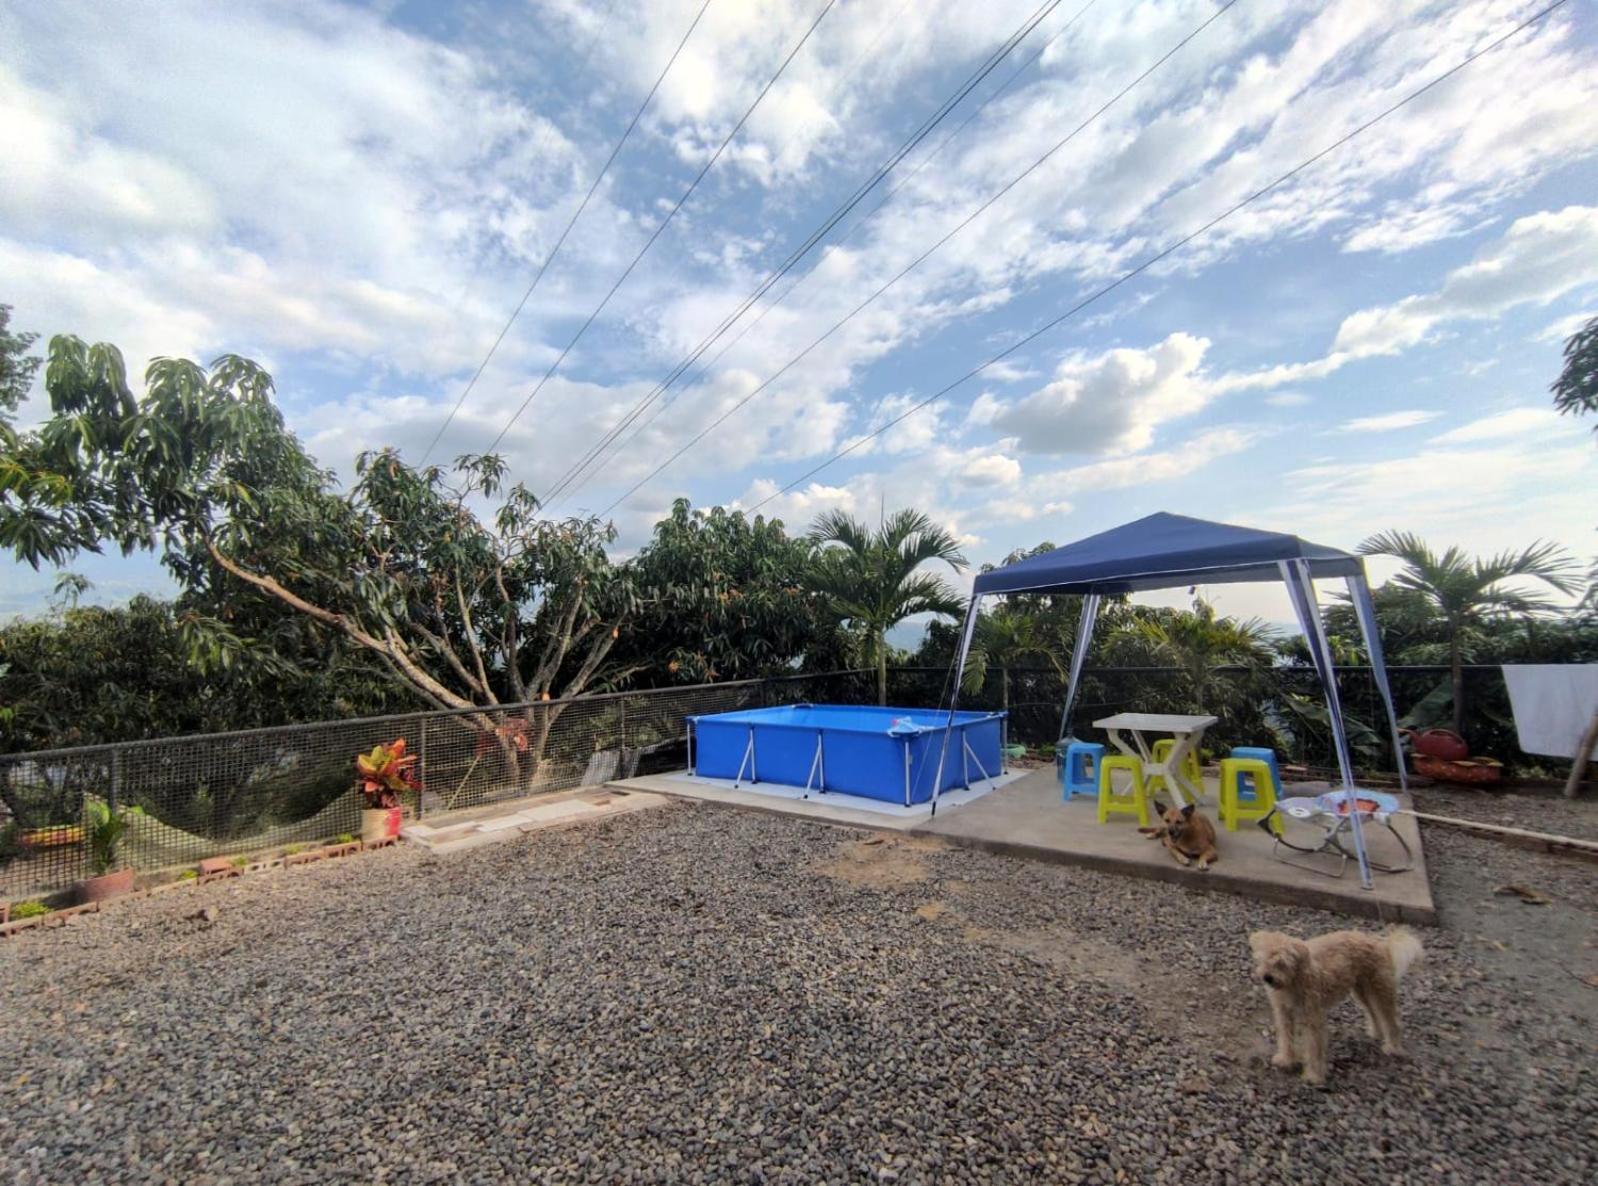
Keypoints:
(1404, 949)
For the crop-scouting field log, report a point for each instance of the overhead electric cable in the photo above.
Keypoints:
(660, 229)
(564, 482)
(571, 222)
(913, 264)
(574, 478)
(1158, 256)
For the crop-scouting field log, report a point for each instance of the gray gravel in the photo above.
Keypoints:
(697, 994)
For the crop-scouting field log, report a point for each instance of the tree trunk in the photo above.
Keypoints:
(1456, 673)
(882, 668)
(1004, 688)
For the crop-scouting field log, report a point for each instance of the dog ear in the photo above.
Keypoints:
(1187, 811)
(1160, 808)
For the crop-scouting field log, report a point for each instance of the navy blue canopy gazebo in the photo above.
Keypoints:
(1166, 551)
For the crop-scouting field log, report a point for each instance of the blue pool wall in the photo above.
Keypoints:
(863, 748)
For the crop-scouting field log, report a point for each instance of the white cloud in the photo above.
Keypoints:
(798, 508)
(1287, 399)
(1389, 421)
(1519, 489)
(1113, 402)
(1559, 330)
(1540, 257)
(990, 469)
(914, 433)
(983, 410)
(1142, 469)
(1501, 425)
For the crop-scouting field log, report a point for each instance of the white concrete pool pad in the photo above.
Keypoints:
(824, 805)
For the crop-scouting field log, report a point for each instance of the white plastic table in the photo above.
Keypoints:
(1188, 731)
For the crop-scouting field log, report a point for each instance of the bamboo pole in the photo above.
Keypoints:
(1578, 761)
(1547, 841)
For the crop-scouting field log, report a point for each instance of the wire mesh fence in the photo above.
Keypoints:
(254, 791)
(282, 788)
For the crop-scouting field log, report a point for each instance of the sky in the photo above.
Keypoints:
(358, 196)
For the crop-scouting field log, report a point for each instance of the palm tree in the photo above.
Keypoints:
(1199, 643)
(1002, 639)
(1465, 591)
(869, 578)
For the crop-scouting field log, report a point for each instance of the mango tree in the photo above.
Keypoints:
(468, 614)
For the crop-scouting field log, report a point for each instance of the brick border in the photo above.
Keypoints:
(58, 918)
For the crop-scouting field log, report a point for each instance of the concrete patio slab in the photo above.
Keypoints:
(1023, 816)
(832, 806)
(476, 826)
(1028, 819)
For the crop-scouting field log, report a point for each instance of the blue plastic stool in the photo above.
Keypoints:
(1261, 754)
(1079, 773)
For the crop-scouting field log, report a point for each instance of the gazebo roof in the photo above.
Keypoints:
(1164, 551)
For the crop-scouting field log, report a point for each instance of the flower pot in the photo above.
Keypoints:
(53, 837)
(1438, 743)
(1476, 771)
(380, 823)
(107, 885)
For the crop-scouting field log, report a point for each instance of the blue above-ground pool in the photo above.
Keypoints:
(889, 754)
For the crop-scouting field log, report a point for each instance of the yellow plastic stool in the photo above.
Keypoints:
(1134, 801)
(1234, 808)
(1191, 769)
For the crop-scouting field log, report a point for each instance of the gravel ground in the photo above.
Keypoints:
(699, 994)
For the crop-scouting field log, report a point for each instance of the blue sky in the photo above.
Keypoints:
(358, 196)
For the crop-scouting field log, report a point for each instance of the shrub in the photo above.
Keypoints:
(105, 829)
(28, 909)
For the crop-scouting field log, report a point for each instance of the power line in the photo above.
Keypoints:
(566, 479)
(570, 483)
(1157, 257)
(571, 222)
(965, 222)
(659, 230)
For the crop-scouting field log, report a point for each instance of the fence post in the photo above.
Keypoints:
(114, 794)
(421, 761)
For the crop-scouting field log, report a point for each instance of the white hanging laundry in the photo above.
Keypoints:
(1553, 705)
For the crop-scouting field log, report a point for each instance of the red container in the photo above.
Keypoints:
(1438, 743)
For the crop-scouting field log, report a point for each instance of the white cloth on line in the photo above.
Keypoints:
(1553, 705)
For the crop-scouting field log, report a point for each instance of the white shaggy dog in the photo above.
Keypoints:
(1305, 978)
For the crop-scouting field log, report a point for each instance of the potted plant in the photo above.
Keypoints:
(384, 774)
(104, 829)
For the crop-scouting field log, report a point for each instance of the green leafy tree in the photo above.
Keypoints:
(465, 613)
(1198, 643)
(869, 579)
(721, 597)
(1468, 595)
(1004, 638)
(17, 367)
(1576, 389)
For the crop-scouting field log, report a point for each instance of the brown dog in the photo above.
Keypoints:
(1305, 978)
(1187, 835)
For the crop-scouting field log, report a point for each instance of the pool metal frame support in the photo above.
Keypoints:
(748, 760)
(907, 772)
(971, 756)
(818, 762)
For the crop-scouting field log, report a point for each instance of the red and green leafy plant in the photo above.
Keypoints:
(386, 773)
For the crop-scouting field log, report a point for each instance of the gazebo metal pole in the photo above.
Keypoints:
(1359, 594)
(966, 634)
(1301, 588)
(1079, 653)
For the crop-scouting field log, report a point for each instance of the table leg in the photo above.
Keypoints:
(1119, 743)
(1186, 743)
